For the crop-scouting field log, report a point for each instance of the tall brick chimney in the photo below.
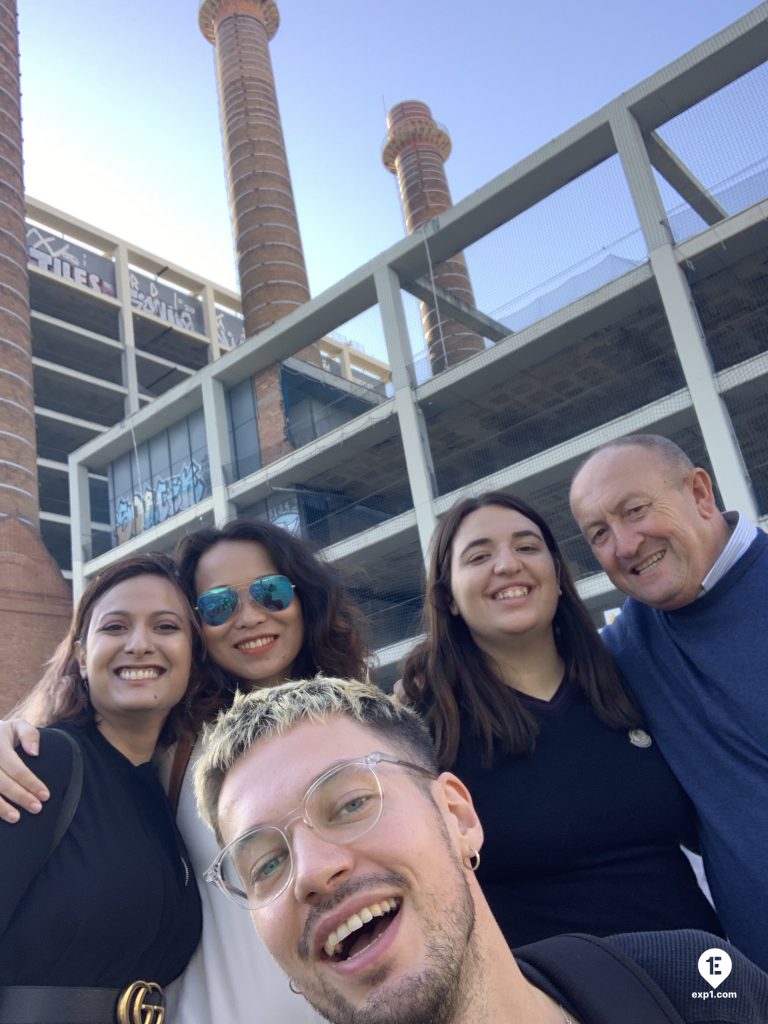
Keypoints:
(35, 602)
(273, 275)
(416, 150)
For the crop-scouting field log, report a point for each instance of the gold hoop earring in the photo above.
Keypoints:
(472, 860)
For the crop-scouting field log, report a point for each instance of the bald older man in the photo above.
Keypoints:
(692, 641)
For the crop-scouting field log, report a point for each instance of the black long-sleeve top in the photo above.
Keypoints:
(117, 900)
(584, 834)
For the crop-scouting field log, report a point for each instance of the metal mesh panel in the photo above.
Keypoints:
(731, 296)
(564, 247)
(748, 406)
(387, 583)
(598, 378)
(361, 486)
(721, 140)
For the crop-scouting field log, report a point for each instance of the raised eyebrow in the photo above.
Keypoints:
(591, 524)
(127, 615)
(619, 508)
(517, 535)
(288, 816)
(239, 586)
(112, 613)
(477, 543)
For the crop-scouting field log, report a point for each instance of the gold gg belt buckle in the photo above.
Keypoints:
(143, 1002)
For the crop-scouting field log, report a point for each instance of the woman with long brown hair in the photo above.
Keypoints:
(583, 818)
(99, 908)
(270, 608)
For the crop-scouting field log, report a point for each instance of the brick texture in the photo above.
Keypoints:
(271, 267)
(416, 150)
(18, 460)
(35, 609)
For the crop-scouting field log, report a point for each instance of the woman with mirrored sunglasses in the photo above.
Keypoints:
(270, 609)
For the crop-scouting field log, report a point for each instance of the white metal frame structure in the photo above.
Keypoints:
(627, 129)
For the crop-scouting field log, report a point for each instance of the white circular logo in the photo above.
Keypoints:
(714, 966)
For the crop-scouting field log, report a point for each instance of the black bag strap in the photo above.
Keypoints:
(181, 756)
(599, 981)
(72, 794)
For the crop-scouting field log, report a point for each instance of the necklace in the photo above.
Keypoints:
(567, 1019)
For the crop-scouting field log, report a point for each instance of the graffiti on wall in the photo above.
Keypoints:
(49, 251)
(171, 494)
(230, 329)
(171, 305)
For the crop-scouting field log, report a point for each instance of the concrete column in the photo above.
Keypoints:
(687, 332)
(125, 323)
(413, 431)
(219, 452)
(211, 323)
(416, 150)
(80, 523)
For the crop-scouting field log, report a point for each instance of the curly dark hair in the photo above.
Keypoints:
(61, 695)
(333, 641)
(448, 673)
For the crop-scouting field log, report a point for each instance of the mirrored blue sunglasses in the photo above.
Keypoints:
(216, 606)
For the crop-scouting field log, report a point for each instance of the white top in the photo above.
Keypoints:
(231, 979)
(742, 534)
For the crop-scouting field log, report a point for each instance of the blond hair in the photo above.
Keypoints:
(270, 712)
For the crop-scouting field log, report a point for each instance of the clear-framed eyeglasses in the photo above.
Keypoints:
(342, 805)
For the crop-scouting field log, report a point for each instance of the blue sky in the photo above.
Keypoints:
(121, 120)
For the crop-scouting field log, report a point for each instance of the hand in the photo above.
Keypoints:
(17, 782)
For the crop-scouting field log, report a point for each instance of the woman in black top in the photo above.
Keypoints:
(583, 819)
(113, 902)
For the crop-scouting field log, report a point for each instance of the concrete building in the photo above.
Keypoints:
(111, 328)
(619, 279)
(114, 328)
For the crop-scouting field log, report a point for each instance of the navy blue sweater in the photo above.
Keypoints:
(700, 675)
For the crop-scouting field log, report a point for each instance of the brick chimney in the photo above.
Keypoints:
(415, 151)
(35, 601)
(273, 275)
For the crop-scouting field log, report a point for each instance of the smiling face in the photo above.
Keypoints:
(255, 645)
(503, 577)
(137, 652)
(377, 930)
(655, 530)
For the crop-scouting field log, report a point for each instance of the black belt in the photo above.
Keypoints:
(142, 1002)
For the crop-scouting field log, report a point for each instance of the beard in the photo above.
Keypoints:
(437, 994)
